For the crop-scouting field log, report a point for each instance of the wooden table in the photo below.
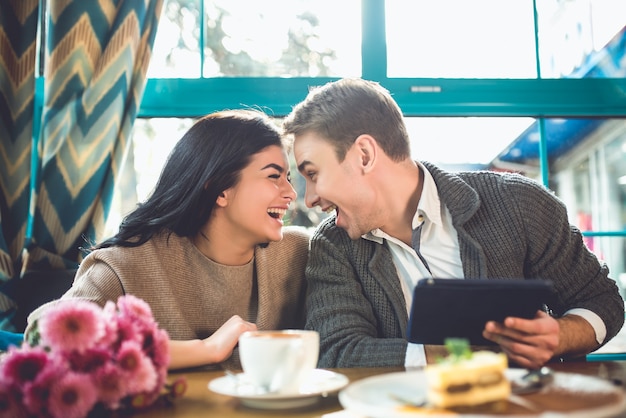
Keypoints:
(199, 401)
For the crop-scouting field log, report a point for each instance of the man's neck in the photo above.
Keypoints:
(405, 197)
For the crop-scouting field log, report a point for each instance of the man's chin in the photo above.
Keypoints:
(352, 233)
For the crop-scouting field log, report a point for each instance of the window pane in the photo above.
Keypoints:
(176, 50)
(462, 143)
(573, 34)
(591, 180)
(282, 38)
(460, 39)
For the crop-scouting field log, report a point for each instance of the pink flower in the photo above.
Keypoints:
(113, 358)
(127, 331)
(156, 345)
(111, 385)
(177, 388)
(88, 360)
(72, 325)
(37, 393)
(73, 396)
(135, 308)
(109, 317)
(140, 372)
(10, 402)
(22, 366)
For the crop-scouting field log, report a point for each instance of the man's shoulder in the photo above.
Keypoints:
(328, 233)
(328, 229)
(485, 181)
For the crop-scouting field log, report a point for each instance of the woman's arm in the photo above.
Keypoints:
(214, 349)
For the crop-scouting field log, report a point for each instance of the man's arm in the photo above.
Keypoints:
(356, 320)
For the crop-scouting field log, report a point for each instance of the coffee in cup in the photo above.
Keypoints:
(278, 361)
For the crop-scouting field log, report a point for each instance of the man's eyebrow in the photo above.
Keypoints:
(303, 164)
(277, 167)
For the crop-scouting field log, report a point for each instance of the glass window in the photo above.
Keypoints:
(241, 38)
(176, 50)
(462, 143)
(590, 178)
(572, 35)
(460, 39)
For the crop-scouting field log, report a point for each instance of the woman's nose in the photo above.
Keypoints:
(290, 191)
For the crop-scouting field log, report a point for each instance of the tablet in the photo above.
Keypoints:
(444, 308)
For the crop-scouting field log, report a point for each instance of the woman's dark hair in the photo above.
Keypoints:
(206, 161)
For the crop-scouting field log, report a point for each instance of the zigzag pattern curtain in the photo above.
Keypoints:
(56, 185)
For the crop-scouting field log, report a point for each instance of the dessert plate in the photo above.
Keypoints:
(398, 395)
(321, 383)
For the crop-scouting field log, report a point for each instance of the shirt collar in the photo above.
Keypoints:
(429, 207)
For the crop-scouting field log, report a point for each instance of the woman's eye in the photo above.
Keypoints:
(275, 176)
(310, 175)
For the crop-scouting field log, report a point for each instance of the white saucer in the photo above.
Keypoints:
(321, 383)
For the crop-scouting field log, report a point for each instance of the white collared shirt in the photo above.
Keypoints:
(439, 245)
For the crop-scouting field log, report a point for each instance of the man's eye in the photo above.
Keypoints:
(289, 177)
(311, 175)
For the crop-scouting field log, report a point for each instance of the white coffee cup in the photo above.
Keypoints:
(278, 361)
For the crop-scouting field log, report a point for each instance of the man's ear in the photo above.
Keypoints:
(367, 149)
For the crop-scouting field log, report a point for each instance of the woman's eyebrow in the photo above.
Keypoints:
(277, 167)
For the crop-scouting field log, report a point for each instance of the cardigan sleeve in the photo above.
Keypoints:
(556, 251)
(355, 319)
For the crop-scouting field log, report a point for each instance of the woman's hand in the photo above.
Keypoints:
(224, 340)
(214, 349)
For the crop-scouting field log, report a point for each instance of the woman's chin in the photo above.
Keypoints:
(273, 237)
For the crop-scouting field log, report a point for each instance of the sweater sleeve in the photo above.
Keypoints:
(350, 318)
(95, 281)
(556, 251)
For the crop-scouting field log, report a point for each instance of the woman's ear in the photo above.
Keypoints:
(222, 199)
(367, 149)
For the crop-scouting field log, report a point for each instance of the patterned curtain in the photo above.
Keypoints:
(57, 181)
(18, 50)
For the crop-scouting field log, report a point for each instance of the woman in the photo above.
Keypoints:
(207, 250)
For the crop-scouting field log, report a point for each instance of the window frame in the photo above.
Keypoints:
(442, 97)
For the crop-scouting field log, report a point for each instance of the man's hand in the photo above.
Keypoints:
(533, 342)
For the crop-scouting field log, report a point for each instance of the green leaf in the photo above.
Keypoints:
(459, 348)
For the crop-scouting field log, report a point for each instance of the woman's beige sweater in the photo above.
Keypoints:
(192, 296)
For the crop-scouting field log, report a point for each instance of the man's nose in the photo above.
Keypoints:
(311, 199)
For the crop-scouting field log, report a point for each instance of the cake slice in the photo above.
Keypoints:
(468, 379)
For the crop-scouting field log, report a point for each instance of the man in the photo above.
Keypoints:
(352, 147)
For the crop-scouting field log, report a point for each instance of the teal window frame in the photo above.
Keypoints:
(442, 97)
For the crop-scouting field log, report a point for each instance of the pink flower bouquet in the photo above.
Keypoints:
(83, 359)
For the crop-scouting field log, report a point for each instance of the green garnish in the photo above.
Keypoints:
(459, 348)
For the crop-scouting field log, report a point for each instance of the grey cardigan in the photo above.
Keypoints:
(508, 227)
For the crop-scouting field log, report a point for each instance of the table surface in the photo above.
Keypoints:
(200, 401)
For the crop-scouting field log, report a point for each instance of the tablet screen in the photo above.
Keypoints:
(460, 308)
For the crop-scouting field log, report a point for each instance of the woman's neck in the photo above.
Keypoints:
(223, 249)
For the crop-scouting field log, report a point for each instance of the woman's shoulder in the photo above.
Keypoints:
(159, 245)
(297, 233)
(295, 242)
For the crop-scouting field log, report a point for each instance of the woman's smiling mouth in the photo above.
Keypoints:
(277, 213)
